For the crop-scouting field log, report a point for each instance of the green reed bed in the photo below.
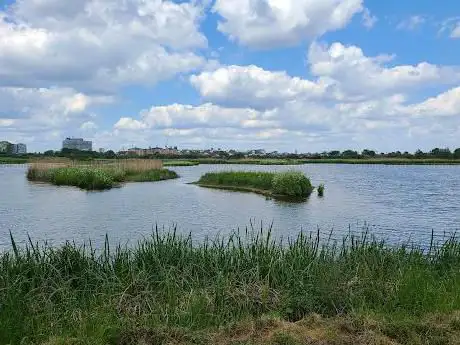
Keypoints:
(12, 160)
(168, 281)
(179, 163)
(292, 184)
(91, 178)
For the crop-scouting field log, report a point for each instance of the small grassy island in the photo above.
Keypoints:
(290, 185)
(99, 176)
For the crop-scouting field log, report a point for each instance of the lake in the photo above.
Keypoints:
(396, 203)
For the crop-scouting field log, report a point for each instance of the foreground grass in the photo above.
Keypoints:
(91, 178)
(291, 184)
(247, 289)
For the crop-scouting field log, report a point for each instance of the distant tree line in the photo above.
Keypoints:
(436, 153)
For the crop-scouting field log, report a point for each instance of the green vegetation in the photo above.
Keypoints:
(383, 161)
(245, 289)
(321, 190)
(291, 184)
(259, 161)
(151, 176)
(103, 176)
(12, 160)
(85, 178)
(179, 163)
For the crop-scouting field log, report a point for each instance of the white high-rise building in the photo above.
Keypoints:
(77, 144)
(19, 149)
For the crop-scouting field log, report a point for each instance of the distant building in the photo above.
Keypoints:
(135, 151)
(77, 144)
(19, 149)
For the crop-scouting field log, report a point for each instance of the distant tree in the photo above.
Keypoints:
(441, 153)
(457, 153)
(49, 153)
(419, 154)
(350, 154)
(368, 153)
(334, 154)
(110, 154)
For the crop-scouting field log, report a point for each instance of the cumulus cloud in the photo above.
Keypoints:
(355, 75)
(271, 23)
(40, 114)
(98, 44)
(353, 99)
(252, 86)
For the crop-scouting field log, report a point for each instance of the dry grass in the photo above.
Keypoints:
(129, 165)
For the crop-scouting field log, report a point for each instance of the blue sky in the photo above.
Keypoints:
(282, 75)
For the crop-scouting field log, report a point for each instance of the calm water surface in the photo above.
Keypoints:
(394, 202)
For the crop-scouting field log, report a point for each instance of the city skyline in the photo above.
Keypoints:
(298, 75)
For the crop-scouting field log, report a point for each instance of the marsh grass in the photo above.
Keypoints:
(179, 163)
(284, 184)
(98, 175)
(169, 281)
(12, 160)
(321, 190)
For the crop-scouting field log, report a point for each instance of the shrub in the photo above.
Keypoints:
(321, 190)
(292, 183)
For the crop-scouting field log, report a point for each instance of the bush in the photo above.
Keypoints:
(292, 183)
(321, 190)
(84, 178)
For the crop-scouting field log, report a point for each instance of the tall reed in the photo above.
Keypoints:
(170, 280)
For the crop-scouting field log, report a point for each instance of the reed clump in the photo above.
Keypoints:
(292, 184)
(169, 281)
(321, 190)
(98, 175)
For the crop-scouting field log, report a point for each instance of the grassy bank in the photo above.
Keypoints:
(384, 161)
(179, 163)
(99, 176)
(290, 184)
(247, 289)
(12, 160)
(249, 161)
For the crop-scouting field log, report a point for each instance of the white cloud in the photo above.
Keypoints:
(98, 44)
(88, 125)
(271, 23)
(456, 31)
(342, 74)
(369, 19)
(353, 101)
(252, 86)
(352, 74)
(445, 104)
(412, 23)
(42, 115)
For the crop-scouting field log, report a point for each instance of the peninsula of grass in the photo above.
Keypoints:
(290, 185)
(246, 289)
(179, 163)
(101, 176)
(12, 160)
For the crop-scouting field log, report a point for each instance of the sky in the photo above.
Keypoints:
(286, 75)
